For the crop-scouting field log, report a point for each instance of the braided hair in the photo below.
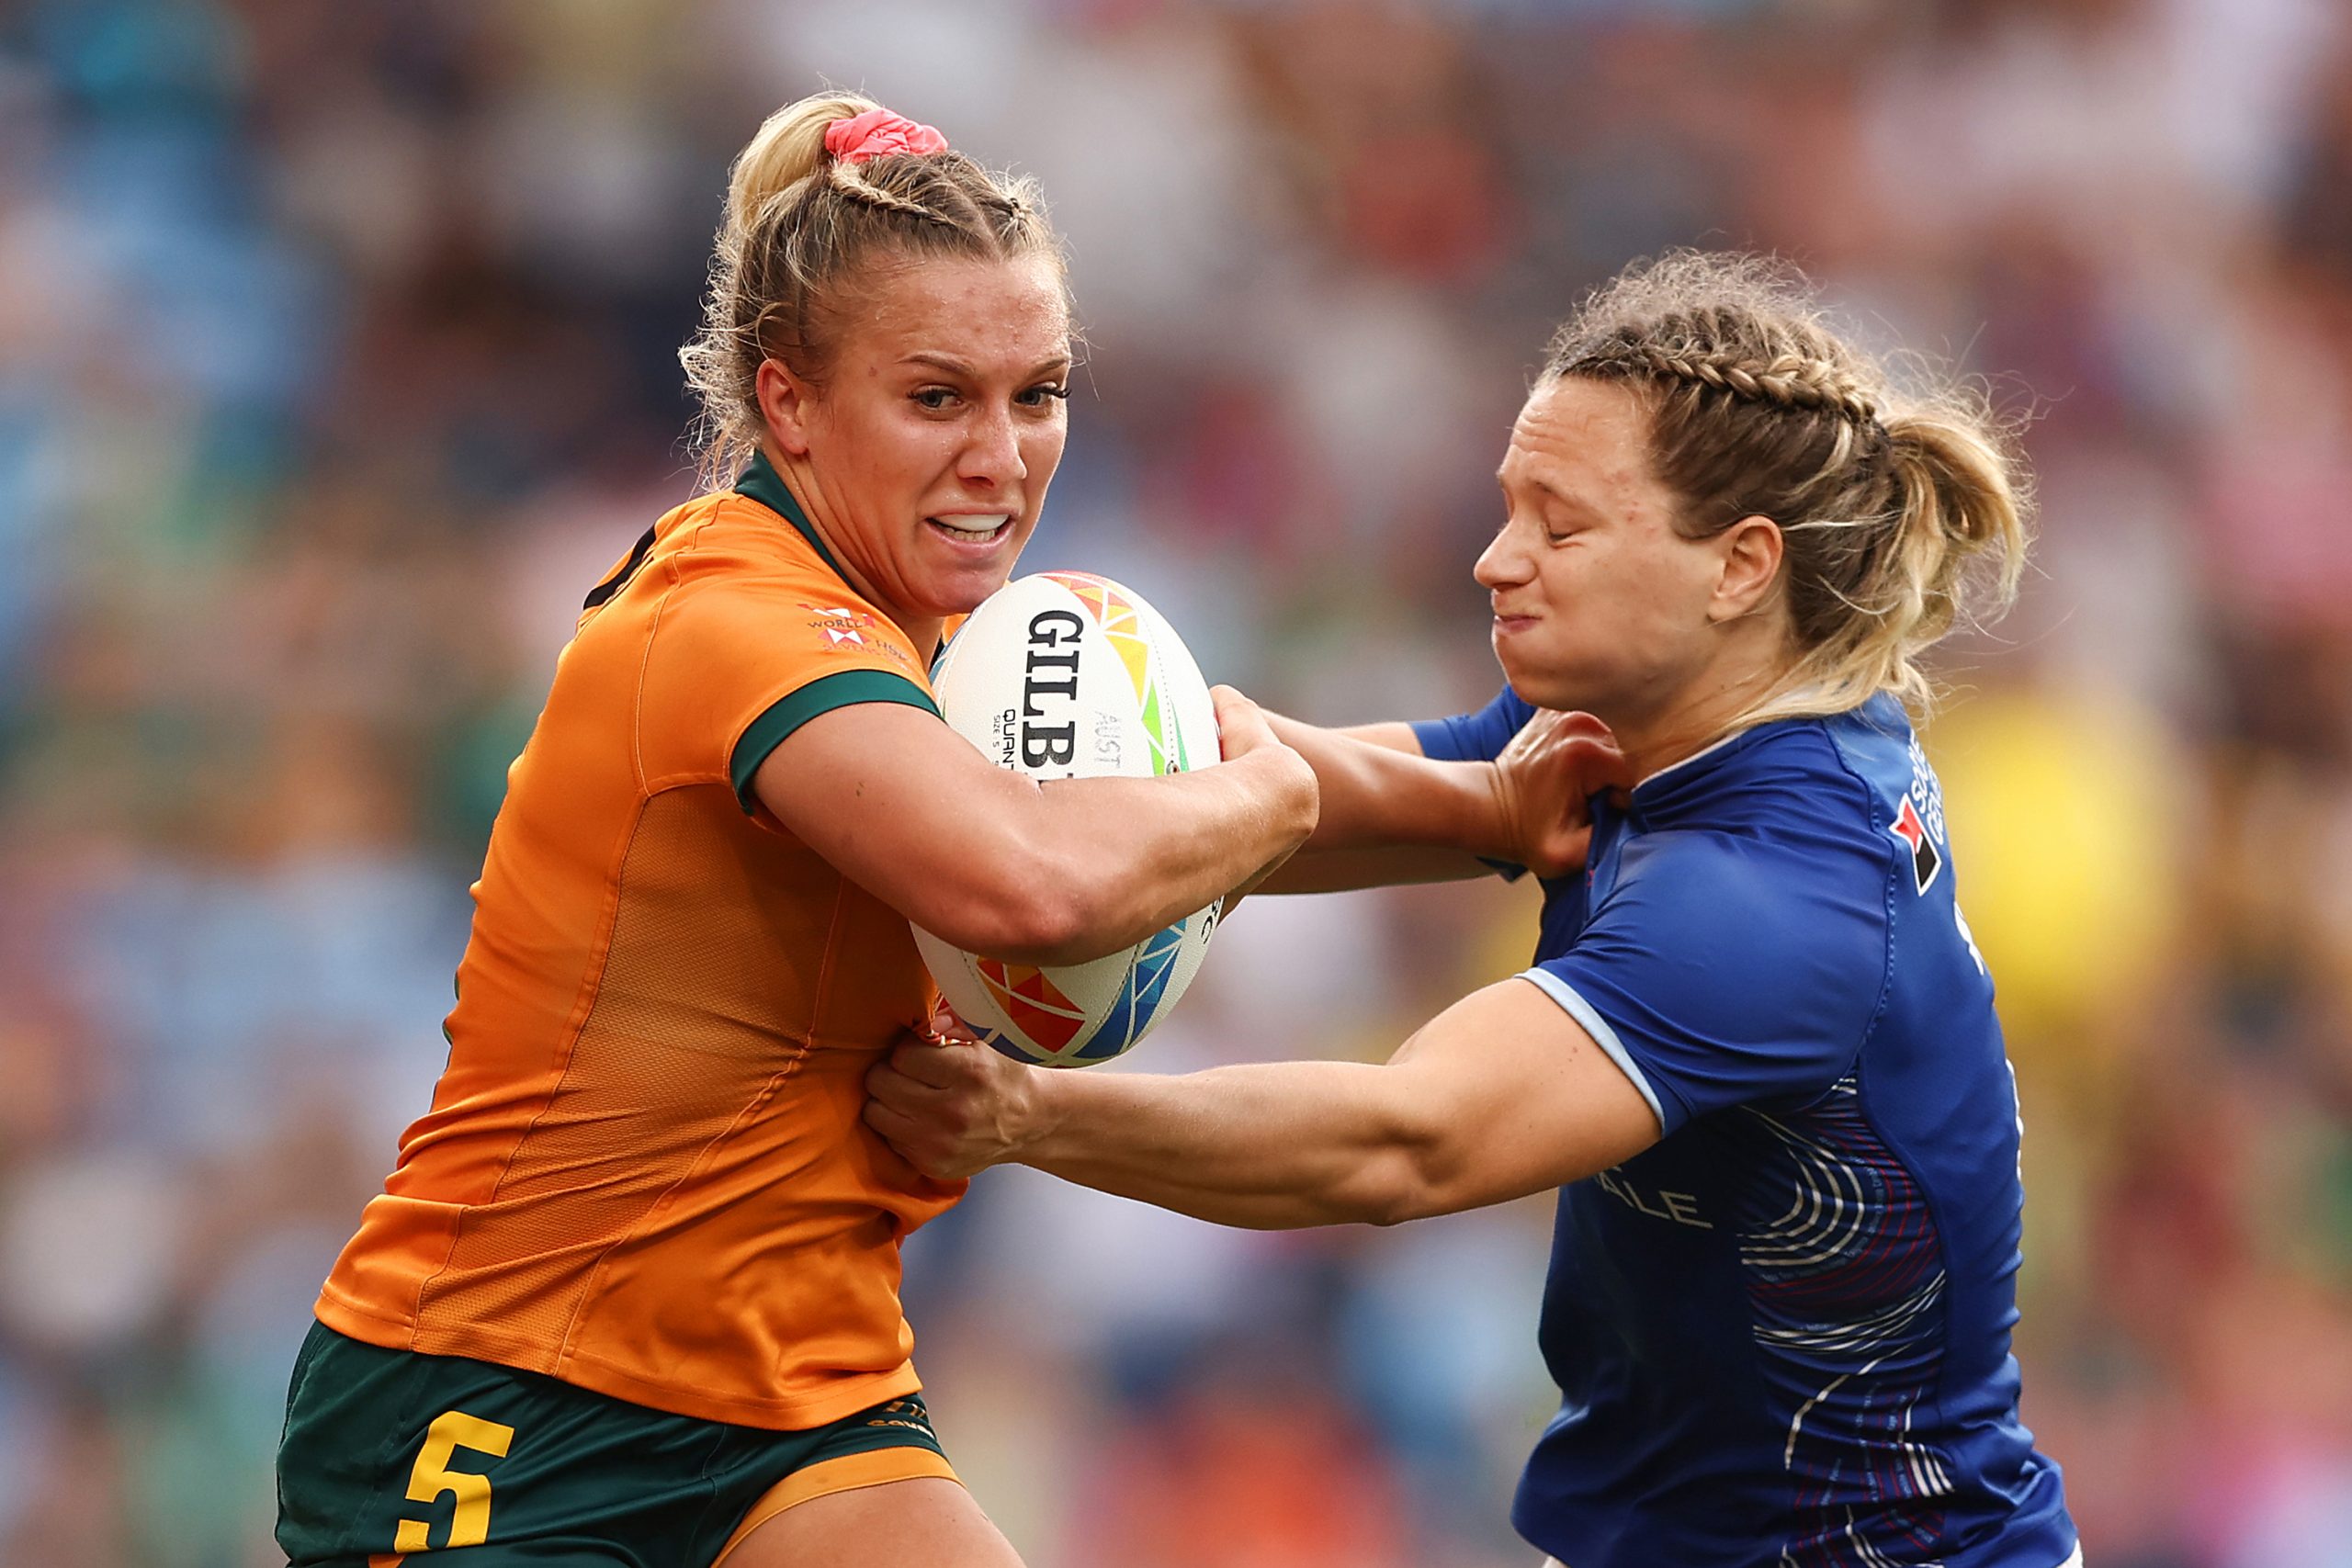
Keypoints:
(1898, 513)
(1791, 379)
(800, 227)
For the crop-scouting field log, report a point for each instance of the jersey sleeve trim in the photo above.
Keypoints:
(1435, 737)
(1577, 1008)
(1476, 737)
(844, 688)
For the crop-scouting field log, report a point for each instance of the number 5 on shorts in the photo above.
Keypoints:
(470, 1524)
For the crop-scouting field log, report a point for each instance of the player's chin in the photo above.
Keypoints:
(961, 593)
(1538, 673)
(957, 576)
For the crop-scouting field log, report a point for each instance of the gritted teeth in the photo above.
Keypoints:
(975, 529)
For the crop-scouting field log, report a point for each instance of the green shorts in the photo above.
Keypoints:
(389, 1452)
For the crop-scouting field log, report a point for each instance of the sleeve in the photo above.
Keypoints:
(1475, 736)
(1722, 971)
(738, 663)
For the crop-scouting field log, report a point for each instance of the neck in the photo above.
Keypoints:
(800, 478)
(1696, 719)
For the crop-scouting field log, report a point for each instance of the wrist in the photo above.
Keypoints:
(1494, 833)
(1286, 783)
(1303, 793)
(1037, 1115)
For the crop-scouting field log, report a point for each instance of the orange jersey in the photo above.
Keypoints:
(644, 1170)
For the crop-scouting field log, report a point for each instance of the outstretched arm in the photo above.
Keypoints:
(1501, 1095)
(1001, 864)
(1390, 815)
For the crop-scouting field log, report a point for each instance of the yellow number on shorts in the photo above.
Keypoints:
(452, 1430)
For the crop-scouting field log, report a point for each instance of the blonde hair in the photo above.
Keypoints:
(1900, 511)
(799, 226)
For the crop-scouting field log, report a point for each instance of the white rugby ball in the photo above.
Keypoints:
(1065, 676)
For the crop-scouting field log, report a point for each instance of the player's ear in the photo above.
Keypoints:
(1751, 550)
(784, 402)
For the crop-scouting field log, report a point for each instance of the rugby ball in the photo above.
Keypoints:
(1065, 676)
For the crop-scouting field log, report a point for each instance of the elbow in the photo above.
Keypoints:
(1060, 910)
(1403, 1204)
(1395, 1186)
(1032, 916)
(1048, 931)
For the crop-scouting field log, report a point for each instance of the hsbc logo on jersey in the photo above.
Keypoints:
(845, 629)
(1911, 829)
(839, 625)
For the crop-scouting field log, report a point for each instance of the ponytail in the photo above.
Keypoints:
(801, 223)
(1901, 511)
(788, 148)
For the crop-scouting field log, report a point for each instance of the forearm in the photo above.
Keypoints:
(1139, 855)
(1270, 1147)
(1377, 796)
(1501, 1095)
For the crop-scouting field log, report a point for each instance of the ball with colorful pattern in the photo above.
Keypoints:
(1069, 675)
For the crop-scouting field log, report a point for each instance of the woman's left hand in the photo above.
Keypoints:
(949, 1104)
(1544, 778)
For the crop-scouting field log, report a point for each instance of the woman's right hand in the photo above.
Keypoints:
(950, 1105)
(1544, 781)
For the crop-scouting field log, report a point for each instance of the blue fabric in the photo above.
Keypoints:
(1781, 1334)
(1475, 736)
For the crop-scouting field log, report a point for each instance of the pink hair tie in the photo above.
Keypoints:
(878, 133)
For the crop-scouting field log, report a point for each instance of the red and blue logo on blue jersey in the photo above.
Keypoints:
(1926, 859)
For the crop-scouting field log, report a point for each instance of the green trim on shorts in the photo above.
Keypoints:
(841, 689)
(393, 1452)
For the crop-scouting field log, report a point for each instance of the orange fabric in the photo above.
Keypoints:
(644, 1170)
(876, 1467)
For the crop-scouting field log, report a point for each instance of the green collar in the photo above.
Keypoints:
(763, 484)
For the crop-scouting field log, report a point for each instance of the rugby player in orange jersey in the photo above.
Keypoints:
(630, 1295)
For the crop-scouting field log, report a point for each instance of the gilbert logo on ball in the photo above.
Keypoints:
(1066, 675)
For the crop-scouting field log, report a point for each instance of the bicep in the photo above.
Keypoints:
(1366, 792)
(1510, 1095)
(1392, 736)
(902, 806)
(1728, 973)
(1314, 870)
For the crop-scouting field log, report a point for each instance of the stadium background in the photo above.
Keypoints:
(337, 360)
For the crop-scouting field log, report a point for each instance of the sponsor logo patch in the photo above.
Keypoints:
(841, 628)
(839, 625)
(1926, 860)
(905, 1414)
(1919, 820)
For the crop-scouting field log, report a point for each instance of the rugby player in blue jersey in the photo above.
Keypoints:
(1757, 1051)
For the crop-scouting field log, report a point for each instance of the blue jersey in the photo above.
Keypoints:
(1781, 1334)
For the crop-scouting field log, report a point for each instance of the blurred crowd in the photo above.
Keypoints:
(337, 360)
